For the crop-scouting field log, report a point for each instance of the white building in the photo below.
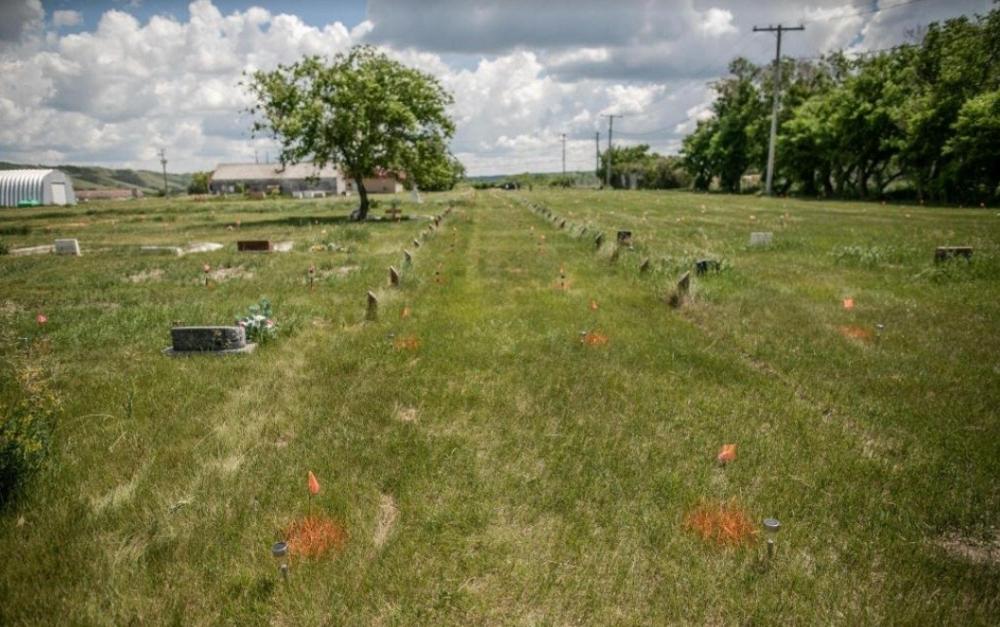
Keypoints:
(35, 187)
(231, 178)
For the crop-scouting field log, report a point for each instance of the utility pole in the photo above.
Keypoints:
(777, 88)
(611, 122)
(597, 153)
(163, 161)
(564, 153)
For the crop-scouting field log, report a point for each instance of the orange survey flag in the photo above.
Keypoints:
(727, 453)
(313, 483)
(848, 303)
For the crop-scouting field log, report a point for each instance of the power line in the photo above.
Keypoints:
(865, 12)
(777, 90)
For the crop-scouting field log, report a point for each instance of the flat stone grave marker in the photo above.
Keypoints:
(222, 340)
(416, 243)
(407, 257)
(67, 247)
(599, 240)
(371, 313)
(944, 253)
(203, 247)
(33, 250)
(702, 266)
(282, 247)
(176, 251)
(393, 276)
(254, 246)
(761, 239)
(625, 238)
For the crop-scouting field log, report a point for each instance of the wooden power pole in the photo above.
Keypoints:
(777, 89)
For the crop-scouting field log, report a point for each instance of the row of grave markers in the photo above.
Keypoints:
(624, 239)
(395, 274)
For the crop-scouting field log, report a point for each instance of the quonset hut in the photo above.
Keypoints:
(35, 187)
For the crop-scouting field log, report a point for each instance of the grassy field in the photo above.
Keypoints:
(497, 469)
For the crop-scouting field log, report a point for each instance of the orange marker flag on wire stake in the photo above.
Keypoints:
(848, 303)
(726, 454)
(313, 484)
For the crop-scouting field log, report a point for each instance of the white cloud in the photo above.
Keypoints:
(66, 18)
(522, 72)
(19, 18)
(717, 22)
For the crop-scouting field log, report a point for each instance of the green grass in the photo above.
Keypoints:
(537, 480)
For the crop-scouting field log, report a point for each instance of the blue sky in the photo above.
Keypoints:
(110, 82)
(316, 13)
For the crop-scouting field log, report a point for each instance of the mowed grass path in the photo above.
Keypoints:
(503, 471)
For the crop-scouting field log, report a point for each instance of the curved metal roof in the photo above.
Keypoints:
(18, 185)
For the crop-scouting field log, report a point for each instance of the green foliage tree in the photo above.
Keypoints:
(653, 171)
(361, 111)
(199, 183)
(918, 115)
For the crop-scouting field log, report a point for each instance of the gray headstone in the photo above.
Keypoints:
(684, 284)
(67, 247)
(625, 238)
(599, 240)
(372, 310)
(282, 247)
(644, 266)
(761, 239)
(393, 276)
(407, 257)
(221, 340)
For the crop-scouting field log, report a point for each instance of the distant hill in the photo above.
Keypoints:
(92, 177)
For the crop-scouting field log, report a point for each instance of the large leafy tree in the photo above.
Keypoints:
(361, 111)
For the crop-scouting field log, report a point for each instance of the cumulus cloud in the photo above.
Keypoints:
(523, 73)
(19, 18)
(61, 19)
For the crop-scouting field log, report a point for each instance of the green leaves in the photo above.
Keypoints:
(360, 110)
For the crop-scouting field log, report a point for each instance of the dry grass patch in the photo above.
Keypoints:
(388, 512)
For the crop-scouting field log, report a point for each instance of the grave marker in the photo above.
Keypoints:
(393, 276)
(944, 253)
(644, 266)
(253, 246)
(684, 284)
(702, 266)
(393, 213)
(625, 238)
(416, 243)
(371, 313)
(407, 257)
(599, 240)
(208, 340)
(33, 250)
(67, 247)
(761, 239)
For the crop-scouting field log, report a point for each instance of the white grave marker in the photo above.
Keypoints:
(761, 239)
(67, 247)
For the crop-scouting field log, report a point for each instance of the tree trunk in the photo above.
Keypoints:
(362, 212)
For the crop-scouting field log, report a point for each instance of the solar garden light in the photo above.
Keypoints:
(279, 550)
(771, 526)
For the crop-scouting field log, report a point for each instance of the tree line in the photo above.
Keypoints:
(919, 120)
